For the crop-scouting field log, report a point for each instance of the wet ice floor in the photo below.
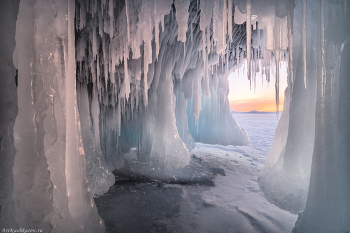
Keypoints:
(217, 192)
(220, 194)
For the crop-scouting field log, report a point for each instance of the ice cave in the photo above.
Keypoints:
(115, 116)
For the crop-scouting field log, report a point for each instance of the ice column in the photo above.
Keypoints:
(50, 186)
(328, 204)
(286, 182)
(80, 202)
(32, 190)
(8, 111)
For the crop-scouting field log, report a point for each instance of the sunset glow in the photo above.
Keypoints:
(247, 105)
(245, 99)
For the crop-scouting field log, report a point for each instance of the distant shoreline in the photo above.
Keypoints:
(254, 112)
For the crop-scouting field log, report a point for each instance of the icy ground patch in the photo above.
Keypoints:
(216, 192)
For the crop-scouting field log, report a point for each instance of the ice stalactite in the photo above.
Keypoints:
(277, 89)
(229, 19)
(249, 39)
(280, 44)
(218, 26)
(204, 24)
(290, 16)
(182, 18)
(303, 38)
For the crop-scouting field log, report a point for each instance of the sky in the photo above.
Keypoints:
(242, 99)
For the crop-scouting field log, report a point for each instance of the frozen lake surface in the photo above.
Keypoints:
(261, 129)
(217, 192)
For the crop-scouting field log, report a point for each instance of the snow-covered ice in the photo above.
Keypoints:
(217, 192)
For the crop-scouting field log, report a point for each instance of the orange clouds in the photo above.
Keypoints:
(247, 105)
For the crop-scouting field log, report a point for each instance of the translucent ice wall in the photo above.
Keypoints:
(327, 206)
(285, 182)
(307, 169)
(50, 190)
(8, 110)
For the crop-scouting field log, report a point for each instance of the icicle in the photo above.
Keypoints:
(105, 61)
(290, 47)
(267, 23)
(184, 49)
(249, 36)
(268, 73)
(277, 88)
(119, 118)
(230, 18)
(126, 72)
(205, 62)
(205, 15)
(98, 73)
(182, 15)
(147, 60)
(94, 43)
(156, 35)
(258, 41)
(322, 44)
(204, 52)
(162, 23)
(303, 38)
(224, 24)
(112, 68)
(82, 22)
(280, 34)
(127, 21)
(197, 98)
(219, 26)
(111, 18)
(226, 73)
(100, 24)
(255, 75)
(191, 32)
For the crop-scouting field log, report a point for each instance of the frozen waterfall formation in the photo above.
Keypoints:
(97, 77)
